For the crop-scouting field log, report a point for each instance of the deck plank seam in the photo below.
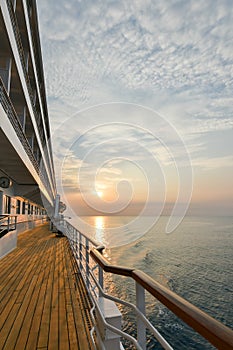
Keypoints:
(31, 287)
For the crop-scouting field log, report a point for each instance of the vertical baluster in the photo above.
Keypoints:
(87, 264)
(80, 252)
(101, 279)
(67, 231)
(72, 242)
(71, 230)
(8, 223)
(76, 248)
(140, 303)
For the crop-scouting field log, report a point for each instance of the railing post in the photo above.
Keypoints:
(68, 234)
(80, 252)
(140, 303)
(101, 279)
(72, 237)
(65, 227)
(76, 248)
(8, 223)
(87, 264)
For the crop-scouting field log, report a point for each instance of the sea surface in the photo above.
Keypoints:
(195, 261)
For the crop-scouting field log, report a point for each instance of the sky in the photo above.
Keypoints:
(141, 106)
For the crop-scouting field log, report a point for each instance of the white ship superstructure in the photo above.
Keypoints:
(27, 181)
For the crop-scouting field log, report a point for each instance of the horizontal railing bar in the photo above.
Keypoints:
(215, 332)
(7, 217)
(19, 222)
(114, 329)
(3, 219)
(93, 328)
(94, 268)
(7, 224)
(147, 323)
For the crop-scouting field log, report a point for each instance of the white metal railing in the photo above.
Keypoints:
(22, 56)
(12, 116)
(92, 275)
(31, 92)
(7, 223)
(91, 264)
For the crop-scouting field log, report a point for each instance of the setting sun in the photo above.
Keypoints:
(100, 194)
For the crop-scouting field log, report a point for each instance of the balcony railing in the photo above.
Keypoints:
(21, 52)
(91, 264)
(20, 47)
(24, 66)
(8, 107)
(12, 115)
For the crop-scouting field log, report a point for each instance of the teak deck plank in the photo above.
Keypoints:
(40, 303)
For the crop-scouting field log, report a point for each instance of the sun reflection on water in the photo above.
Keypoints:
(99, 228)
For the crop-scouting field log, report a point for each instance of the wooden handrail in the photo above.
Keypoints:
(215, 332)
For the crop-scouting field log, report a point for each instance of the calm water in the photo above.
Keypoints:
(195, 261)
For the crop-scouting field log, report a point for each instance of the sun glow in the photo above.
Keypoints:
(100, 194)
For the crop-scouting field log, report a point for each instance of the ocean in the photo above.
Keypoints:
(195, 261)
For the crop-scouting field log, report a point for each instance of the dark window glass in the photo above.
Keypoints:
(23, 208)
(18, 206)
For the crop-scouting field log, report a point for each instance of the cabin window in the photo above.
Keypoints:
(29, 208)
(23, 208)
(18, 206)
(7, 204)
(1, 202)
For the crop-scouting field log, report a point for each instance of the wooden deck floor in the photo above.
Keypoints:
(41, 305)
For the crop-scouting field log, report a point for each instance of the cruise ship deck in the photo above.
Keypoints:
(41, 304)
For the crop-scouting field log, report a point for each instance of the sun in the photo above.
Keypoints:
(100, 194)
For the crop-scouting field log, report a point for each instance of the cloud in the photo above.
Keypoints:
(155, 46)
(175, 57)
(214, 163)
